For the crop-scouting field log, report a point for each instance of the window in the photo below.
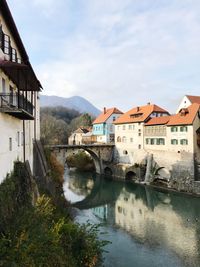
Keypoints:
(139, 146)
(174, 129)
(18, 138)
(184, 142)
(124, 127)
(13, 55)
(22, 139)
(114, 118)
(131, 140)
(124, 139)
(125, 152)
(111, 127)
(148, 140)
(183, 129)
(118, 127)
(6, 44)
(174, 141)
(152, 140)
(130, 127)
(119, 139)
(3, 86)
(139, 134)
(10, 144)
(160, 141)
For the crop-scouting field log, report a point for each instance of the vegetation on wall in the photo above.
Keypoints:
(57, 124)
(81, 160)
(42, 234)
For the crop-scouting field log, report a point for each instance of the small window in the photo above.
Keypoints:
(6, 44)
(174, 129)
(124, 139)
(139, 134)
(3, 86)
(184, 142)
(183, 129)
(152, 141)
(125, 152)
(14, 55)
(10, 144)
(114, 118)
(174, 141)
(18, 138)
(124, 127)
(139, 146)
(131, 140)
(119, 139)
(130, 127)
(118, 127)
(148, 141)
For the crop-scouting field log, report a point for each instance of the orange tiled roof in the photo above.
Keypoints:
(104, 116)
(194, 99)
(185, 116)
(158, 121)
(139, 114)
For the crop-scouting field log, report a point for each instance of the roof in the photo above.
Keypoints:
(103, 117)
(5, 11)
(158, 121)
(82, 130)
(185, 115)
(139, 114)
(193, 99)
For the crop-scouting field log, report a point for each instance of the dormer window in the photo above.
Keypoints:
(137, 115)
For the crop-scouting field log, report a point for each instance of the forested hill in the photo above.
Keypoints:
(76, 102)
(57, 124)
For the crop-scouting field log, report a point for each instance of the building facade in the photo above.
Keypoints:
(129, 132)
(103, 126)
(19, 97)
(76, 138)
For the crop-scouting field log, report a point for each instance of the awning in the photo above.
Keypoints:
(21, 74)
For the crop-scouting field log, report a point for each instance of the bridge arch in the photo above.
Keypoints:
(108, 171)
(130, 175)
(96, 159)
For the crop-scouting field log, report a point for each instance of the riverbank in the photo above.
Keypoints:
(36, 224)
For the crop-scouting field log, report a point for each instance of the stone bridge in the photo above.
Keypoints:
(102, 154)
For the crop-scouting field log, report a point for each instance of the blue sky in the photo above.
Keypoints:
(120, 53)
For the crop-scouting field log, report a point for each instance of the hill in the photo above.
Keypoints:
(75, 102)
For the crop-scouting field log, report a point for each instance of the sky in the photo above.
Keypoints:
(121, 53)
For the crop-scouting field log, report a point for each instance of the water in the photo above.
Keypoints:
(147, 227)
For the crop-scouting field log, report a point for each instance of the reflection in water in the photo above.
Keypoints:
(148, 227)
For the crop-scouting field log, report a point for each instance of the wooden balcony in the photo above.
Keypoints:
(17, 106)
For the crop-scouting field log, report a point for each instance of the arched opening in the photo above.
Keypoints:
(130, 176)
(96, 160)
(108, 171)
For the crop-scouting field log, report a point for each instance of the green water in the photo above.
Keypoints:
(147, 227)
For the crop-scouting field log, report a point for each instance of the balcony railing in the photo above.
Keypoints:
(16, 105)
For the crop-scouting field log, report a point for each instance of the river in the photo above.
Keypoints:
(148, 227)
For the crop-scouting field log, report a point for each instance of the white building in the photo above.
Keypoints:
(129, 132)
(76, 138)
(19, 97)
(103, 126)
(187, 101)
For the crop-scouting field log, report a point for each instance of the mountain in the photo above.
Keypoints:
(75, 102)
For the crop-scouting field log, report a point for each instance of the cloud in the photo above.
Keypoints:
(116, 52)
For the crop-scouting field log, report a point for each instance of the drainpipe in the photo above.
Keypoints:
(24, 145)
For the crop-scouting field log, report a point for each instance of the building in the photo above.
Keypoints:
(76, 138)
(129, 132)
(19, 97)
(103, 126)
(187, 101)
(174, 140)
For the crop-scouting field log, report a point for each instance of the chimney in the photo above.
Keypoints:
(137, 109)
(148, 103)
(104, 110)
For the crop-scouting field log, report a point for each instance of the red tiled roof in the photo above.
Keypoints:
(104, 116)
(158, 121)
(194, 99)
(187, 117)
(139, 114)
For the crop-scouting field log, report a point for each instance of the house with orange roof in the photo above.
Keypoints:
(103, 127)
(187, 101)
(175, 140)
(129, 132)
